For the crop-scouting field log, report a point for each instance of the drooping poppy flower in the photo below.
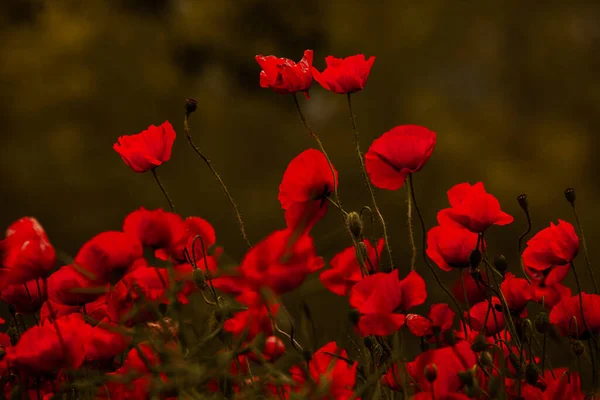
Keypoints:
(344, 75)
(346, 271)
(549, 296)
(549, 253)
(41, 349)
(397, 153)
(109, 255)
(382, 299)
(303, 191)
(473, 208)
(25, 253)
(486, 318)
(330, 371)
(148, 149)
(568, 317)
(439, 319)
(27, 297)
(450, 247)
(475, 291)
(517, 292)
(285, 76)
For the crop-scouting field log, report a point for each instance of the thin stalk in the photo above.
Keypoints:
(585, 251)
(368, 182)
(162, 188)
(411, 236)
(186, 128)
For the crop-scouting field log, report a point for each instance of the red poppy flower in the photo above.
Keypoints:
(475, 291)
(25, 253)
(148, 149)
(549, 296)
(439, 320)
(42, 350)
(382, 298)
(251, 322)
(472, 208)
(346, 271)
(105, 342)
(488, 319)
(330, 371)
(345, 75)
(284, 76)
(435, 396)
(109, 255)
(27, 297)
(303, 191)
(569, 319)
(70, 287)
(157, 229)
(397, 153)
(550, 252)
(198, 239)
(517, 292)
(567, 385)
(450, 247)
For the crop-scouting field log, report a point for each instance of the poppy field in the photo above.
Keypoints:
(150, 310)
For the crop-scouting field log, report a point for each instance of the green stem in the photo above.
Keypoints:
(585, 251)
(162, 188)
(411, 236)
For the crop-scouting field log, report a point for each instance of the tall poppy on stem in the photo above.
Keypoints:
(344, 75)
(284, 76)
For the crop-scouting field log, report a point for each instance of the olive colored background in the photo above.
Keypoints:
(510, 87)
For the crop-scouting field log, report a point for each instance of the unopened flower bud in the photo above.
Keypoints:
(500, 263)
(431, 372)
(485, 358)
(190, 106)
(369, 342)
(577, 347)
(475, 258)
(570, 195)
(354, 316)
(542, 323)
(355, 224)
(523, 202)
(479, 344)
(532, 373)
(466, 377)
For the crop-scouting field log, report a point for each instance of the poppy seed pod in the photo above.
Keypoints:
(577, 347)
(486, 359)
(523, 202)
(570, 195)
(479, 344)
(466, 377)
(430, 372)
(542, 323)
(475, 258)
(354, 224)
(500, 263)
(190, 106)
(532, 373)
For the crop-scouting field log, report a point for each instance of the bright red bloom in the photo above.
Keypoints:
(303, 191)
(397, 153)
(439, 320)
(148, 149)
(284, 76)
(69, 287)
(473, 208)
(550, 252)
(328, 371)
(450, 247)
(157, 229)
(42, 350)
(344, 75)
(475, 291)
(494, 322)
(109, 255)
(567, 385)
(549, 296)
(346, 271)
(199, 238)
(382, 298)
(105, 342)
(27, 298)
(569, 319)
(517, 292)
(254, 320)
(25, 253)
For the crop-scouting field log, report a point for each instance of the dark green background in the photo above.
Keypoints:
(511, 88)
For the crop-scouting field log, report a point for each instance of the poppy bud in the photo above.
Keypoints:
(431, 372)
(274, 348)
(479, 344)
(500, 263)
(542, 322)
(523, 202)
(190, 106)
(532, 373)
(466, 377)
(570, 195)
(577, 347)
(354, 224)
(475, 258)
(354, 316)
(485, 358)
(369, 342)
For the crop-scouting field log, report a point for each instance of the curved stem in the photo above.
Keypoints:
(585, 251)
(186, 128)
(528, 215)
(162, 188)
(368, 182)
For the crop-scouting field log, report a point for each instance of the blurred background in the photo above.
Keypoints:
(511, 88)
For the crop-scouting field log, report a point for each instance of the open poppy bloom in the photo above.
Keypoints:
(285, 76)
(25, 253)
(303, 191)
(256, 319)
(467, 285)
(438, 320)
(549, 296)
(148, 149)
(382, 299)
(450, 247)
(473, 208)
(346, 271)
(568, 316)
(397, 153)
(517, 292)
(344, 75)
(486, 318)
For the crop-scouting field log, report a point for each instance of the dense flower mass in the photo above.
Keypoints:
(159, 310)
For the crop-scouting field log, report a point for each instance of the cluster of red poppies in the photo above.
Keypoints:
(115, 322)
